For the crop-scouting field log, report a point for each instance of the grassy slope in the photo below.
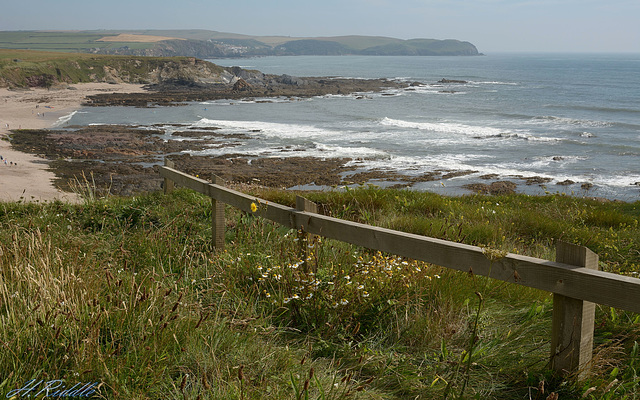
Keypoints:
(17, 66)
(128, 291)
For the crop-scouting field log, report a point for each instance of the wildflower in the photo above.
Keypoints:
(295, 297)
(436, 276)
(309, 296)
(344, 302)
(286, 300)
(267, 295)
(365, 294)
(254, 207)
(360, 287)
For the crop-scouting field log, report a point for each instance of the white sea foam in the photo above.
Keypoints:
(550, 119)
(228, 102)
(444, 127)
(316, 151)
(64, 119)
(494, 83)
(268, 129)
(418, 165)
(475, 132)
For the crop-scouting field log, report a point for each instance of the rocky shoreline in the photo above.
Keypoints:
(256, 85)
(124, 160)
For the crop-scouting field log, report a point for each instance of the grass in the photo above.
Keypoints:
(129, 293)
(82, 42)
(23, 68)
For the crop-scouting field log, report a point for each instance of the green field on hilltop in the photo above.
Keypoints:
(211, 44)
(62, 41)
(129, 292)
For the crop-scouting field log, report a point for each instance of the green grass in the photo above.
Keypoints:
(129, 292)
(23, 68)
(73, 42)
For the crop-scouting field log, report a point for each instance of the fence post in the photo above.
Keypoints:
(573, 320)
(217, 217)
(305, 239)
(168, 183)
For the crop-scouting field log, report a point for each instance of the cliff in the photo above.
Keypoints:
(22, 69)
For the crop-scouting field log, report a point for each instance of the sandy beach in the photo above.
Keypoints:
(27, 177)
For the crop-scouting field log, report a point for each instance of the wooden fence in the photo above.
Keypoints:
(574, 279)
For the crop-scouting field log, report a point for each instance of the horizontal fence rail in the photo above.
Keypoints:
(573, 278)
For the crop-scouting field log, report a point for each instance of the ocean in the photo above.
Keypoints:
(571, 119)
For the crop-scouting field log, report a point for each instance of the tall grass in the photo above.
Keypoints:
(128, 292)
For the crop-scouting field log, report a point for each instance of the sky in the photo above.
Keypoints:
(491, 25)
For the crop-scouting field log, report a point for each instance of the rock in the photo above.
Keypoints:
(241, 85)
(502, 187)
(291, 80)
(586, 186)
(496, 188)
(444, 80)
(537, 180)
(566, 183)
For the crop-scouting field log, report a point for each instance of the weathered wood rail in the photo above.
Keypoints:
(574, 279)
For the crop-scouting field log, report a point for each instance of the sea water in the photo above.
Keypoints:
(567, 118)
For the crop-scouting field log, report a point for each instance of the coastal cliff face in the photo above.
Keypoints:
(18, 73)
(211, 44)
(308, 47)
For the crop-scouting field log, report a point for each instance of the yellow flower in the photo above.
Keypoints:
(254, 207)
